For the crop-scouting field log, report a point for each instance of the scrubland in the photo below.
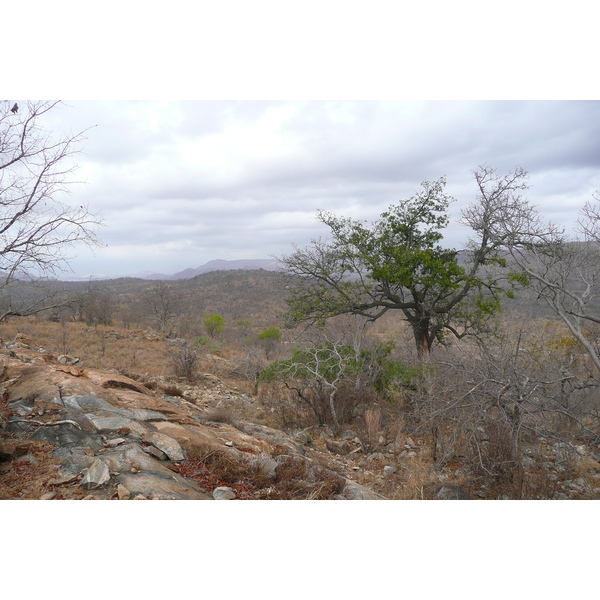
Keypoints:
(510, 418)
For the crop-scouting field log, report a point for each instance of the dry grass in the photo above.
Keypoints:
(100, 347)
(26, 477)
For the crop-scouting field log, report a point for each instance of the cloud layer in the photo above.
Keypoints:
(181, 183)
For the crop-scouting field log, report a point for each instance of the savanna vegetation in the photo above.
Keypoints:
(476, 368)
(495, 394)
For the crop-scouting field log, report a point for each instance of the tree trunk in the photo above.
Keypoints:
(421, 335)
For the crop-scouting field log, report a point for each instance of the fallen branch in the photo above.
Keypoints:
(65, 421)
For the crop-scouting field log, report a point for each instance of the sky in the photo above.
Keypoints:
(179, 183)
(290, 108)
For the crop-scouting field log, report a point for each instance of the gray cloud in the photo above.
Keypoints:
(180, 183)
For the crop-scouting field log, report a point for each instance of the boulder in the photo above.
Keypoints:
(165, 443)
(223, 493)
(96, 476)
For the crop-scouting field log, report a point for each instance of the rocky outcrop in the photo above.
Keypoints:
(106, 436)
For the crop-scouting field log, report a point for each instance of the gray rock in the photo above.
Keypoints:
(166, 444)
(83, 402)
(161, 485)
(106, 423)
(155, 452)
(65, 359)
(115, 442)
(303, 438)
(451, 492)
(354, 491)
(389, 470)
(97, 475)
(223, 493)
(265, 465)
(142, 414)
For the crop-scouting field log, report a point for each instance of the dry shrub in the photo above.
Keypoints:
(284, 409)
(220, 415)
(373, 421)
(213, 468)
(171, 390)
(412, 482)
(537, 484)
(184, 360)
(297, 479)
(26, 477)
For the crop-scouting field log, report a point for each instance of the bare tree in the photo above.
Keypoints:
(563, 271)
(36, 224)
(163, 304)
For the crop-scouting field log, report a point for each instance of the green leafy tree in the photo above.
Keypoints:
(397, 264)
(213, 324)
(269, 339)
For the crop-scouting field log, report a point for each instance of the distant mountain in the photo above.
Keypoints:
(268, 264)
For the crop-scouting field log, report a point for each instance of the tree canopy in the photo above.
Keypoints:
(398, 263)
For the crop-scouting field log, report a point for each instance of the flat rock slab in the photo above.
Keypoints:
(106, 422)
(159, 485)
(83, 402)
(143, 414)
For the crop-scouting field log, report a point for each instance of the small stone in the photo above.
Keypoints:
(123, 492)
(223, 493)
(389, 470)
(230, 444)
(48, 495)
(115, 442)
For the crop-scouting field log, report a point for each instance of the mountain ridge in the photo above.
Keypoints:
(268, 264)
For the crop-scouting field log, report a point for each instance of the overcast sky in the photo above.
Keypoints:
(179, 183)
